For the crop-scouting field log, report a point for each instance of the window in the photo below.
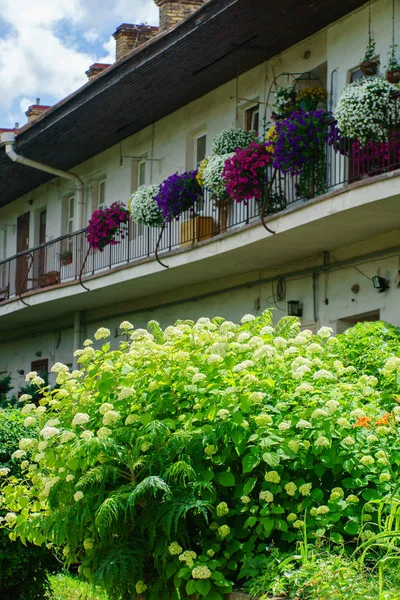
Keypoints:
(102, 195)
(3, 244)
(355, 74)
(200, 148)
(252, 118)
(70, 214)
(142, 173)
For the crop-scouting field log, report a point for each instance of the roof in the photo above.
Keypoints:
(209, 48)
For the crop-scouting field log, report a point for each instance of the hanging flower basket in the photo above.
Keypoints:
(393, 76)
(178, 194)
(106, 225)
(369, 67)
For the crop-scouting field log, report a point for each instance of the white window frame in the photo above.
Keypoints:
(3, 248)
(142, 171)
(255, 106)
(196, 138)
(101, 204)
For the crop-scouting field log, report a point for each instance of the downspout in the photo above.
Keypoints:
(8, 139)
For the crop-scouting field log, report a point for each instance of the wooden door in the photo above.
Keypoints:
(22, 261)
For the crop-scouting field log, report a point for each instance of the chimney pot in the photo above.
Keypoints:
(173, 12)
(37, 101)
(128, 37)
(35, 110)
(95, 70)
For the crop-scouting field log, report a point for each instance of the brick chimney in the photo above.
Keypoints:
(95, 70)
(128, 37)
(174, 11)
(35, 110)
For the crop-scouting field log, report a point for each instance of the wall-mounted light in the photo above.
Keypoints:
(20, 372)
(294, 308)
(380, 283)
(38, 354)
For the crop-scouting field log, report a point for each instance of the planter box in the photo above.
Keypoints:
(196, 230)
(50, 278)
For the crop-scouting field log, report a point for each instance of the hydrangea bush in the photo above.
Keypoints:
(177, 194)
(143, 206)
(213, 177)
(230, 140)
(161, 465)
(366, 110)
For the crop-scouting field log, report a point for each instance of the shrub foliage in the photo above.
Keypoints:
(161, 465)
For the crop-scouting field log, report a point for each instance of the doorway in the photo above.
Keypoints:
(21, 277)
(343, 324)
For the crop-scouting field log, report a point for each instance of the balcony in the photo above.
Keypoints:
(68, 259)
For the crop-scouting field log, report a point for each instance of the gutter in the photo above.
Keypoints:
(8, 139)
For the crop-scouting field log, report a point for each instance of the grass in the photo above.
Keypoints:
(66, 587)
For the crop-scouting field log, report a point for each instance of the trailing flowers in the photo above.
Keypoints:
(245, 172)
(177, 194)
(105, 224)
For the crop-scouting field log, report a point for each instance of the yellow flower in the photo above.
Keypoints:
(200, 171)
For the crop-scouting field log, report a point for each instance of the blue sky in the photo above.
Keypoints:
(47, 45)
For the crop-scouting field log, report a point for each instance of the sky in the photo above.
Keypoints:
(47, 45)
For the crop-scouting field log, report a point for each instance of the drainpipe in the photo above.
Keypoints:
(77, 335)
(8, 139)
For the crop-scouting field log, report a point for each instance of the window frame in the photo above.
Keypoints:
(198, 136)
(252, 111)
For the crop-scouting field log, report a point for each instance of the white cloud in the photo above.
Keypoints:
(49, 44)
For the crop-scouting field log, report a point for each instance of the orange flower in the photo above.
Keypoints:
(363, 422)
(383, 420)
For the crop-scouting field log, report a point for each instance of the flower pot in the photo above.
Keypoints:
(393, 76)
(369, 67)
(50, 278)
(66, 261)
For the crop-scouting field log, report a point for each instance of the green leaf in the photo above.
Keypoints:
(281, 525)
(271, 458)
(352, 527)
(250, 461)
(370, 495)
(249, 485)
(268, 525)
(250, 522)
(227, 479)
(203, 586)
(191, 587)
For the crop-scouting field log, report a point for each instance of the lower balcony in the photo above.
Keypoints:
(68, 259)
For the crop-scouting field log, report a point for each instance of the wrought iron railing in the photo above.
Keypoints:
(68, 258)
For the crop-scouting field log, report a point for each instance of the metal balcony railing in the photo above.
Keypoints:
(68, 258)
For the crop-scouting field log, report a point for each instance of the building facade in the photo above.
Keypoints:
(211, 66)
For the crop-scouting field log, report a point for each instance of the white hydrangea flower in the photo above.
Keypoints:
(319, 413)
(40, 410)
(242, 366)
(30, 421)
(10, 518)
(302, 424)
(268, 330)
(25, 443)
(284, 426)
(18, 454)
(322, 442)
(104, 432)
(59, 368)
(37, 381)
(105, 407)
(323, 374)
(223, 414)
(214, 359)
(247, 319)
(291, 351)
(49, 432)
(325, 332)
(243, 337)
(291, 488)
(4, 471)
(126, 326)
(78, 496)
(29, 376)
(197, 377)
(88, 343)
(349, 441)
(280, 342)
(343, 422)
(110, 417)
(332, 406)
(257, 397)
(80, 419)
(42, 445)
(265, 350)
(130, 419)
(87, 434)
(25, 398)
(315, 349)
(102, 333)
(304, 388)
(67, 436)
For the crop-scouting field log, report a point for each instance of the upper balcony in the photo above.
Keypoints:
(353, 198)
